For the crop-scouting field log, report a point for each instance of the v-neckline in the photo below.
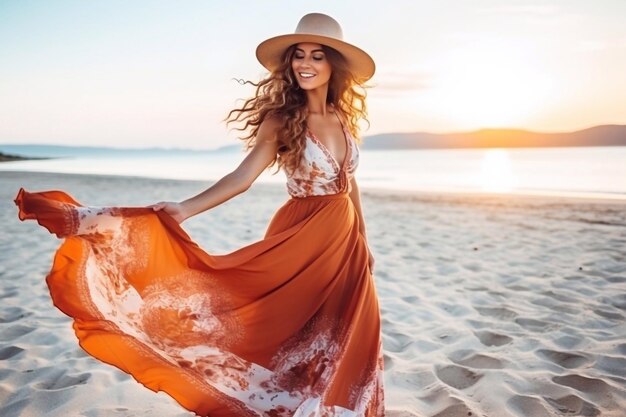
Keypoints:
(325, 149)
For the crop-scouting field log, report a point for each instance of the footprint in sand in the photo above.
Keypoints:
(8, 294)
(412, 300)
(472, 266)
(534, 325)
(416, 380)
(457, 377)
(12, 314)
(573, 405)
(424, 346)
(397, 342)
(480, 361)
(564, 359)
(9, 351)
(14, 332)
(488, 338)
(65, 381)
(618, 301)
(612, 365)
(560, 297)
(525, 406)
(456, 410)
(568, 341)
(497, 312)
(608, 314)
(584, 384)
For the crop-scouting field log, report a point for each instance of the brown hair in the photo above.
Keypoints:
(279, 96)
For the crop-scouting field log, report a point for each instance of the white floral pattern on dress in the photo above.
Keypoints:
(319, 173)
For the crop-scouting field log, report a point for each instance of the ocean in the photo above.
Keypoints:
(595, 172)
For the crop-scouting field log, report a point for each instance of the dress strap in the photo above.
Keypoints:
(339, 117)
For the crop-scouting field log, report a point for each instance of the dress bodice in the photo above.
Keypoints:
(318, 172)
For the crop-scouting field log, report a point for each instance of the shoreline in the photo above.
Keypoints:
(452, 195)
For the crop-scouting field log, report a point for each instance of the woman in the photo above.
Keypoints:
(287, 326)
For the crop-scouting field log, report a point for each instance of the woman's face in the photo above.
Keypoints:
(310, 66)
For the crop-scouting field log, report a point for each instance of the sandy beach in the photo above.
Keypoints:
(492, 306)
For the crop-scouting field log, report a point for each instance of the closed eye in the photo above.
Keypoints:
(315, 58)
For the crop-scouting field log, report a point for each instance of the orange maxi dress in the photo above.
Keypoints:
(286, 326)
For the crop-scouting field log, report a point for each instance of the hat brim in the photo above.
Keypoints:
(270, 52)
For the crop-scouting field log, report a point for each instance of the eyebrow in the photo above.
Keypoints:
(314, 50)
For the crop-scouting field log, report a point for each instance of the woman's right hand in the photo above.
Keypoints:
(175, 210)
(236, 182)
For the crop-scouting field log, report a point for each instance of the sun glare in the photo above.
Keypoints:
(496, 173)
(491, 84)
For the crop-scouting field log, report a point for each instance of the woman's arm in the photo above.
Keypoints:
(233, 183)
(355, 196)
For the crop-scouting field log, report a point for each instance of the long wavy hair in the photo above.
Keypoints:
(279, 96)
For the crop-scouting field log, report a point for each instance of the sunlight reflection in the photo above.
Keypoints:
(496, 171)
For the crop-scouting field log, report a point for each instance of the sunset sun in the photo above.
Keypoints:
(489, 83)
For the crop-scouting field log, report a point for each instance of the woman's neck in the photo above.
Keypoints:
(316, 101)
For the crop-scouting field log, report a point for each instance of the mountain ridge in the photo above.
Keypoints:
(601, 135)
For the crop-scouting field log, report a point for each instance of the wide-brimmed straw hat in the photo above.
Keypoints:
(322, 29)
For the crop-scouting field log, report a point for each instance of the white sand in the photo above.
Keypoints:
(492, 306)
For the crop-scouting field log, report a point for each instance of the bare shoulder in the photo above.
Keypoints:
(268, 130)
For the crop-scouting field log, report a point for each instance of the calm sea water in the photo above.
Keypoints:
(583, 171)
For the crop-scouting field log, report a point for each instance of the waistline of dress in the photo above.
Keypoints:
(337, 196)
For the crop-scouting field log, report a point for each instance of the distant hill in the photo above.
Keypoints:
(7, 157)
(605, 135)
(63, 151)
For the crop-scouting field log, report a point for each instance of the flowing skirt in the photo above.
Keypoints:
(286, 326)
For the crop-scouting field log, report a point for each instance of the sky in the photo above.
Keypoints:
(160, 73)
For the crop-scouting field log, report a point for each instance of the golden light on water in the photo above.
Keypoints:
(496, 171)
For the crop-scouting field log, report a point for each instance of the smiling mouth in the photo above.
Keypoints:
(306, 75)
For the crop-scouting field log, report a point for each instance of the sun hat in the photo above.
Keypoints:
(322, 29)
